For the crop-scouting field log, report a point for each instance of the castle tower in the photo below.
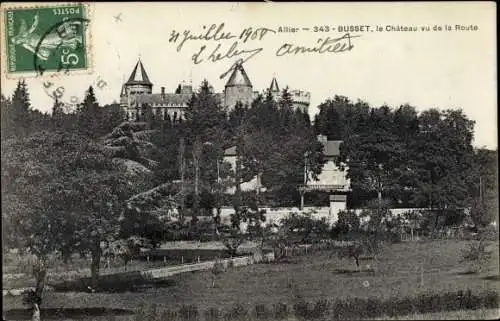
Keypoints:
(238, 88)
(138, 83)
(274, 89)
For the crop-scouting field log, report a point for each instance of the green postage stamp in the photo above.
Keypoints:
(45, 38)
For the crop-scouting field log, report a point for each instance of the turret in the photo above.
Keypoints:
(238, 88)
(138, 83)
(274, 86)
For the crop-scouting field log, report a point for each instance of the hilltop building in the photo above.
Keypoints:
(137, 91)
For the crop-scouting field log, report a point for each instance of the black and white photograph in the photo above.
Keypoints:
(218, 161)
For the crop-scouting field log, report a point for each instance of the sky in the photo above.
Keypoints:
(426, 69)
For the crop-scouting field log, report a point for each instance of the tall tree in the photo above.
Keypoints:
(113, 115)
(5, 108)
(19, 113)
(206, 134)
(373, 155)
(331, 119)
(272, 141)
(58, 116)
(90, 116)
(441, 156)
(72, 195)
(483, 187)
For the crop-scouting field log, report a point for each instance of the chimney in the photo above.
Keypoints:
(163, 93)
(186, 89)
(322, 139)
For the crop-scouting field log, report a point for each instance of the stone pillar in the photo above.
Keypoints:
(338, 202)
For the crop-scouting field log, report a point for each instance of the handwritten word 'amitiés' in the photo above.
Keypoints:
(324, 45)
(216, 33)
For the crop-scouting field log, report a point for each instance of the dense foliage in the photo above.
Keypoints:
(77, 179)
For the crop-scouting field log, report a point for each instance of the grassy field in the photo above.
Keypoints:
(17, 268)
(397, 273)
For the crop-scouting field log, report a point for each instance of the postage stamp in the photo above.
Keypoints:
(47, 38)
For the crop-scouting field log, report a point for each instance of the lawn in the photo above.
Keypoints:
(397, 273)
(17, 268)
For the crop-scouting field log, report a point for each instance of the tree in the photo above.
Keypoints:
(254, 219)
(441, 156)
(348, 223)
(305, 227)
(206, 135)
(113, 116)
(85, 202)
(17, 112)
(484, 187)
(205, 116)
(232, 241)
(272, 140)
(5, 106)
(197, 150)
(182, 171)
(373, 155)
(89, 116)
(58, 115)
(331, 119)
(72, 195)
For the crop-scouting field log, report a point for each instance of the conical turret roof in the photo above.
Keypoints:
(139, 76)
(274, 86)
(238, 77)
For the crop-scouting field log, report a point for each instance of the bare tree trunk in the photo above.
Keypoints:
(95, 265)
(238, 180)
(182, 169)
(197, 150)
(40, 274)
(36, 313)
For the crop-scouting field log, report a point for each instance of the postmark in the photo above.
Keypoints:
(47, 39)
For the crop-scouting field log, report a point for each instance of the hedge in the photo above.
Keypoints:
(343, 309)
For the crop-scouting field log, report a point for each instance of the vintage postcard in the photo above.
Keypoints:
(249, 161)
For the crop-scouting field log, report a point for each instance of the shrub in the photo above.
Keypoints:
(237, 312)
(217, 269)
(301, 309)
(373, 307)
(212, 314)
(140, 315)
(153, 313)
(169, 315)
(320, 309)
(489, 233)
(262, 312)
(476, 256)
(490, 300)
(188, 312)
(402, 306)
(350, 308)
(280, 311)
